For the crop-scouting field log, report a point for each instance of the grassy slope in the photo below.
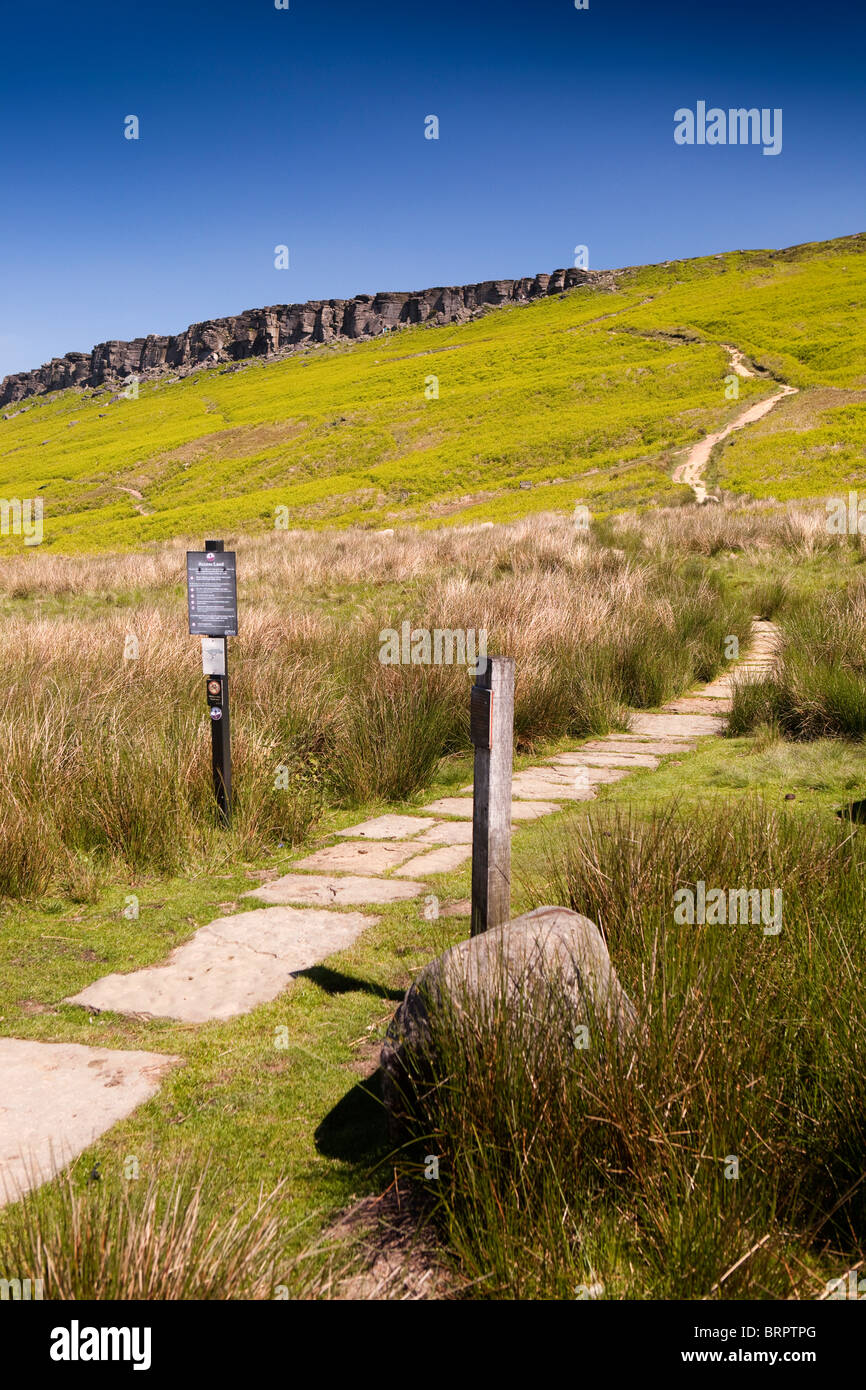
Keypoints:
(586, 397)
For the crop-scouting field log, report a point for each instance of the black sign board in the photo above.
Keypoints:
(481, 716)
(211, 585)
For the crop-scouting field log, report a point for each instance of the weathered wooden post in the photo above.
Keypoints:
(491, 726)
(213, 613)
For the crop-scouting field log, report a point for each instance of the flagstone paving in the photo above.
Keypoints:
(373, 858)
(389, 827)
(437, 861)
(604, 758)
(238, 961)
(462, 806)
(328, 890)
(57, 1098)
(449, 832)
(229, 966)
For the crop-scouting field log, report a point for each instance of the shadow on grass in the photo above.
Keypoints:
(356, 1129)
(335, 982)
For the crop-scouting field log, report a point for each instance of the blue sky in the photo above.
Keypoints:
(305, 127)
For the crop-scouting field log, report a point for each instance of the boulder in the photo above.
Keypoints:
(550, 963)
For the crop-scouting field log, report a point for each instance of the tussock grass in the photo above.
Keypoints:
(818, 686)
(107, 759)
(143, 1239)
(561, 1168)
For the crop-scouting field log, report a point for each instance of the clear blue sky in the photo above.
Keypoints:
(306, 127)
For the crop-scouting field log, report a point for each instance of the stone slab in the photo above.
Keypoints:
(388, 828)
(575, 774)
(327, 890)
(605, 759)
(451, 806)
(535, 786)
(639, 744)
(436, 861)
(562, 777)
(58, 1098)
(229, 966)
(688, 704)
(448, 832)
(356, 856)
(680, 725)
(462, 806)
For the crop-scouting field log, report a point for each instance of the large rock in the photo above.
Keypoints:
(551, 963)
(282, 328)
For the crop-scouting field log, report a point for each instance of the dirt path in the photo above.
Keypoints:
(691, 470)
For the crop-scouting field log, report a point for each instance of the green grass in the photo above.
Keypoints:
(816, 688)
(259, 1114)
(587, 397)
(561, 1170)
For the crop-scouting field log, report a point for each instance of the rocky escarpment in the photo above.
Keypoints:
(280, 329)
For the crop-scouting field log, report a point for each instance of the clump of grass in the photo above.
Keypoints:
(771, 597)
(564, 1167)
(143, 1240)
(395, 728)
(818, 686)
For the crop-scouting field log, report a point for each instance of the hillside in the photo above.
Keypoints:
(589, 396)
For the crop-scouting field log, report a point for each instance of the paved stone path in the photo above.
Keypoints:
(64, 1096)
(236, 962)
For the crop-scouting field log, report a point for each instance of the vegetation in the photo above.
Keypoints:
(584, 398)
(144, 1240)
(562, 1174)
(719, 1150)
(817, 689)
(107, 761)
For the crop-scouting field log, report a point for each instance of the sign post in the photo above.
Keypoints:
(211, 580)
(491, 729)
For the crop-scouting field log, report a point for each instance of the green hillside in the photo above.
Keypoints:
(587, 397)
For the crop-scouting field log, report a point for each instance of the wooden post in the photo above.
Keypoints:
(492, 725)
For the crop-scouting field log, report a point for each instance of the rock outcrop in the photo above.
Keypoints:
(281, 329)
(549, 967)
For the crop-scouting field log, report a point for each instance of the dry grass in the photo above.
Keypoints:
(297, 562)
(107, 759)
(564, 1167)
(137, 1240)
